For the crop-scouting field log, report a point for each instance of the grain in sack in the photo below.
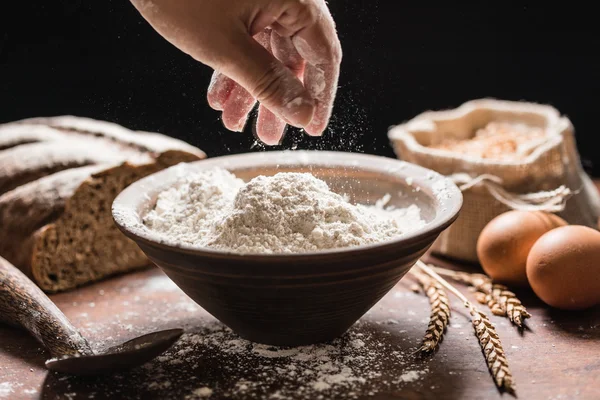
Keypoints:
(504, 155)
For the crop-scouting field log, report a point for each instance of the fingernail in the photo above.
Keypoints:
(232, 125)
(314, 132)
(299, 111)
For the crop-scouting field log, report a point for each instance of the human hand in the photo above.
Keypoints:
(285, 54)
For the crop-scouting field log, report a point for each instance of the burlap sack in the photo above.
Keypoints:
(549, 177)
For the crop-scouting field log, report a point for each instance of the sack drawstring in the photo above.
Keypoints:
(549, 201)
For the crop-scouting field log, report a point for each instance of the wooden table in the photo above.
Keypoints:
(558, 358)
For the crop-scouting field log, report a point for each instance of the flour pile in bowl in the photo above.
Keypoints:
(285, 213)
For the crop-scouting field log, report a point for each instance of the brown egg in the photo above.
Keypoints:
(563, 267)
(504, 243)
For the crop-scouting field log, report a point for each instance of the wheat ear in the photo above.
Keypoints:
(440, 312)
(498, 298)
(486, 334)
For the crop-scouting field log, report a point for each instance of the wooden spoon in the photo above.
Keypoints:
(23, 303)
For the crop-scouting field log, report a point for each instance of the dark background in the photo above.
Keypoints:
(102, 60)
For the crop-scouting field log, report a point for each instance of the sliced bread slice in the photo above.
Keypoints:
(55, 221)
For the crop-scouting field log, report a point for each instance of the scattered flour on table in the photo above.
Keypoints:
(285, 213)
(374, 358)
(348, 367)
(160, 283)
(6, 389)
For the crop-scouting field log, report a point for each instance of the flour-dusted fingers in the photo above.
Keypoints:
(220, 35)
(235, 102)
(240, 102)
(284, 50)
(269, 127)
(321, 49)
(270, 82)
(237, 108)
(311, 27)
(321, 82)
(219, 90)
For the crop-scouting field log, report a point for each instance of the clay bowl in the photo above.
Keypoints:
(298, 299)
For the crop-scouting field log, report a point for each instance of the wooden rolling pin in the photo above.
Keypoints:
(24, 304)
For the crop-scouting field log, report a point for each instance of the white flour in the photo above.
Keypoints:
(375, 359)
(349, 367)
(284, 213)
(6, 389)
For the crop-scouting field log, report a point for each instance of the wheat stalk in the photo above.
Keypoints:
(486, 334)
(492, 350)
(497, 297)
(440, 312)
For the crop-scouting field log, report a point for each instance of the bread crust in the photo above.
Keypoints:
(55, 219)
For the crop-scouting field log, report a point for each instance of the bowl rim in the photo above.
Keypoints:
(447, 199)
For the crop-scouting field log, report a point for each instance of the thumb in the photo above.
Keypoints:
(269, 81)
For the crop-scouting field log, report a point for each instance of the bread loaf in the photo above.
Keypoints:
(58, 179)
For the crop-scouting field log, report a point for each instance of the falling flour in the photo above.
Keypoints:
(285, 213)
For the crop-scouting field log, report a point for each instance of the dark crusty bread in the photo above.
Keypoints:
(58, 179)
